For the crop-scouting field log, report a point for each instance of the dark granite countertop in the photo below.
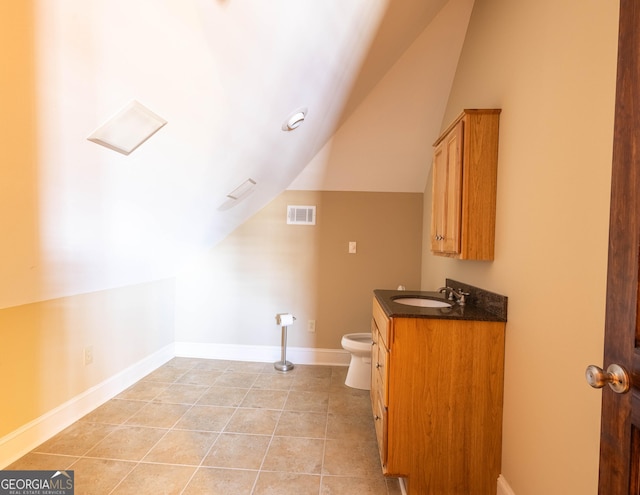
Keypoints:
(470, 311)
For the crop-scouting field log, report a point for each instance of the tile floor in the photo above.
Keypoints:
(198, 426)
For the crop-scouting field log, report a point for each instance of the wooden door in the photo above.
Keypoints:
(620, 430)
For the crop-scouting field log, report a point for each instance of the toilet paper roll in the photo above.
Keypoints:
(284, 319)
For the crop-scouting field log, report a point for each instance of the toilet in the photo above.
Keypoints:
(359, 374)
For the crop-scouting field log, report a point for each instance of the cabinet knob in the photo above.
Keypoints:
(378, 366)
(376, 417)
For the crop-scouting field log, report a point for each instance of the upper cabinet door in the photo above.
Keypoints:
(447, 188)
(464, 187)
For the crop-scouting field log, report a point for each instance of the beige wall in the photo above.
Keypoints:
(41, 361)
(267, 267)
(43, 345)
(551, 67)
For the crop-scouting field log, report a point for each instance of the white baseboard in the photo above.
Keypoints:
(27, 437)
(403, 486)
(258, 353)
(503, 487)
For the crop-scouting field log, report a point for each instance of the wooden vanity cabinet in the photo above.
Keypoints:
(465, 164)
(436, 394)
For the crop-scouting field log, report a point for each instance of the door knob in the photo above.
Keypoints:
(616, 377)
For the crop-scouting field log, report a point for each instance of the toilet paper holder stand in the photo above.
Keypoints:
(284, 320)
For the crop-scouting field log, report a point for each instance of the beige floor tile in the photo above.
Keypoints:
(311, 383)
(236, 379)
(212, 481)
(238, 451)
(181, 393)
(165, 374)
(152, 479)
(339, 374)
(213, 365)
(47, 462)
(288, 483)
(129, 443)
(294, 455)
(253, 421)
(143, 390)
(273, 381)
(250, 367)
(223, 396)
(351, 427)
(224, 427)
(206, 418)
(158, 415)
(182, 447)
(77, 439)
(351, 458)
(358, 404)
(302, 424)
(115, 411)
(265, 399)
(340, 485)
(99, 476)
(307, 401)
(199, 377)
(312, 370)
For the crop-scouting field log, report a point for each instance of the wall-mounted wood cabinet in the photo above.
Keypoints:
(465, 169)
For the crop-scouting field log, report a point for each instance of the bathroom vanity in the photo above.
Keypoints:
(436, 391)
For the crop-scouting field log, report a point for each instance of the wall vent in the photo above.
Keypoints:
(301, 215)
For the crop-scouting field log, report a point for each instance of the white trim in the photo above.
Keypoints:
(503, 487)
(403, 486)
(259, 353)
(21, 441)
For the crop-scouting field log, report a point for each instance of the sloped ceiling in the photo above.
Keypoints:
(225, 74)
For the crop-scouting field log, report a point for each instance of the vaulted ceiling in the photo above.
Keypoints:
(225, 74)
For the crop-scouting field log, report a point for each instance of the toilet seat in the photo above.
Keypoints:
(357, 342)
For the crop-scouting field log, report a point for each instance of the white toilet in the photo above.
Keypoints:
(359, 374)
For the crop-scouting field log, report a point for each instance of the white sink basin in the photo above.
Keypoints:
(424, 303)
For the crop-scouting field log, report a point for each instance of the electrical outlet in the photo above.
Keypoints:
(87, 355)
(311, 326)
(353, 247)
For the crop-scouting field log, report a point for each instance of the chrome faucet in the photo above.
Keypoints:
(454, 295)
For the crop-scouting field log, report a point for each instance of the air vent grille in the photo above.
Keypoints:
(301, 215)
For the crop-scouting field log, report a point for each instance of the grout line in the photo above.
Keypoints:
(298, 377)
(159, 439)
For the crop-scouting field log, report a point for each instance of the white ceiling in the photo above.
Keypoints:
(225, 74)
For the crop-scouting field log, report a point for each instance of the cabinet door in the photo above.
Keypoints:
(447, 193)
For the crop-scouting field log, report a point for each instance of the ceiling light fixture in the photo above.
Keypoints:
(128, 128)
(294, 120)
(242, 190)
(238, 194)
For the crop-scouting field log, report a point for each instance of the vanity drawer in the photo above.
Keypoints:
(382, 322)
(381, 365)
(380, 421)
